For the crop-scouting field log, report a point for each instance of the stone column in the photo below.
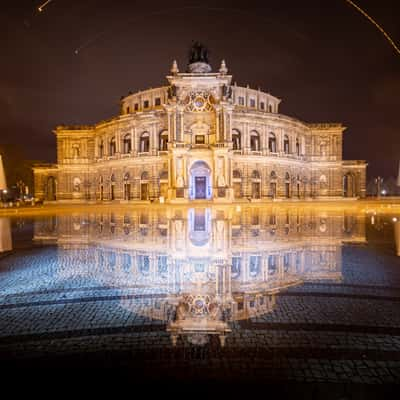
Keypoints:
(132, 141)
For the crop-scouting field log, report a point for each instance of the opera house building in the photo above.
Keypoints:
(199, 137)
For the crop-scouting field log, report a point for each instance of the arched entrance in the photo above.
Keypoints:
(200, 181)
(51, 189)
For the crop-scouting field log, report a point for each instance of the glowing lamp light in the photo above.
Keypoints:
(383, 192)
(394, 219)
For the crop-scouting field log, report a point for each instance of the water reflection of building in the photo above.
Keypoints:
(202, 268)
(5, 235)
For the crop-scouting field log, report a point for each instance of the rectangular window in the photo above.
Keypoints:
(136, 106)
(237, 190)
(252, 103)
(199, 139)
(262, 105)
(221, 192)
(157, 101)
(241, 101)
(146, 104)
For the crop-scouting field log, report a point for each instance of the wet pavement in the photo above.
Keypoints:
(249, 295)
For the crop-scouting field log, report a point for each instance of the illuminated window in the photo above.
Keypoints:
(157, 101)
(272, 142)
(236, 139)
(113, 147)
(127, 143)
(252, 103)
(144, 143)
(254, 141)
(163, 141)
(146, 104)
(286, 144)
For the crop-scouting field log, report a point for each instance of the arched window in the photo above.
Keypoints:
(112, 187)
(164, 183)
(256, 185)
(144, 186)
(236, 140)
(101, 149)
(254, 141)
(272, 185)
(101, 187)
(322, 181)
(127, 187)
(113, 147)
(163, 140)
(272, 264)
(287, 185)
(236, 267)
(75, 151)
(237, 184)
(298, 182)
(127, 143)
(144, 176)
(144, 144)
(272, 142)
(297, 147)
(237, 174)
(323, 148)
(286, 144)
(254, 265)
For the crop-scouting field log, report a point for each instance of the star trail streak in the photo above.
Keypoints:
(389, 39)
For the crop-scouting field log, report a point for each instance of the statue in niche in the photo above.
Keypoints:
(198, 53)
(227, 92)
(220, 172)
(171, 91)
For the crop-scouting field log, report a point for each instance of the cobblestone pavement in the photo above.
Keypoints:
(317, 332)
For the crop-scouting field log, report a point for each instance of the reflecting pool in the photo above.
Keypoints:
(234, 292)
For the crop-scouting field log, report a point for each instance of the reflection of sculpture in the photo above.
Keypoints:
(77, 185)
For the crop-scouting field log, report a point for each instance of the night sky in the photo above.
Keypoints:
(325, 61)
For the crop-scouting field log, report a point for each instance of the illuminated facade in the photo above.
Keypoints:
(201, 137)
(199, 269)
